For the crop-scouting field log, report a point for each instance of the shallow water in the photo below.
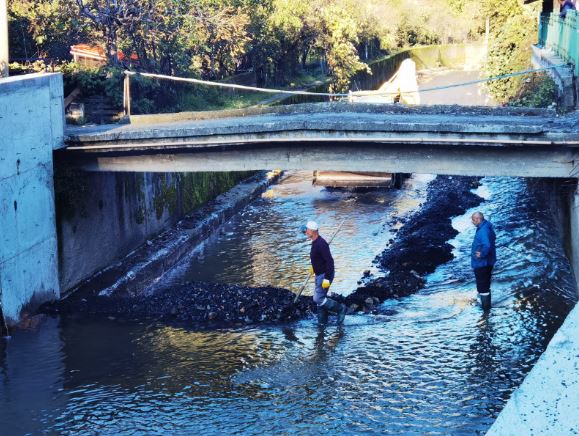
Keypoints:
(432, 363)
(262, 245)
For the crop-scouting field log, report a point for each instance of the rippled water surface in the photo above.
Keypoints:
(432, 363)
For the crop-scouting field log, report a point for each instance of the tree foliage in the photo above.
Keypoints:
(275, 39)
(513, 28)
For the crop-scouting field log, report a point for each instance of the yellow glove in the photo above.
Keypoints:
(311, 269)
(326, 284)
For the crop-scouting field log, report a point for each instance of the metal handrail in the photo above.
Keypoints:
(561, 35)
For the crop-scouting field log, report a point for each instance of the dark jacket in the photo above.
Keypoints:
(567, 6)
(484, 241)
(322, 260)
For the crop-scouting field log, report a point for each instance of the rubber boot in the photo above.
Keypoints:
(338, 308)
(322, 316)
(485, 301)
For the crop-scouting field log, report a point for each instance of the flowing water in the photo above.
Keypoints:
(432, 363)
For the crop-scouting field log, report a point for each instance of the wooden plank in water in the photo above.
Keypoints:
(343, 179)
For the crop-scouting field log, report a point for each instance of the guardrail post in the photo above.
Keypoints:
(127, 95)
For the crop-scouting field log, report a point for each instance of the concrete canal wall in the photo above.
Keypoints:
(31, 127)
(563, 195)
(546, 401)
(103, 217)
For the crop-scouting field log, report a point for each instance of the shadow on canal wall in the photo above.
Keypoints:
(102, 217)
(563, 201)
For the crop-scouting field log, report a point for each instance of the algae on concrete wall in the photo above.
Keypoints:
(103, 216)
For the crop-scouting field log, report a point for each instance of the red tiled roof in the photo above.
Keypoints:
(96, 52)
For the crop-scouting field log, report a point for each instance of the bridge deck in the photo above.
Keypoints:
(337, 136)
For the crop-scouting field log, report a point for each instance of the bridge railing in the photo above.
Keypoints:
(386, 95)
(561, 35)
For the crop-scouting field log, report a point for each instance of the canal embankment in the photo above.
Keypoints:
(156, 254)
(547, 400)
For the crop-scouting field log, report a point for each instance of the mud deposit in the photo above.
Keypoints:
(199, 305)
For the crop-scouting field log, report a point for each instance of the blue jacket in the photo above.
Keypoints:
(484, 241)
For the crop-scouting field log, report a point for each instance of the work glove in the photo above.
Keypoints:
(326, 284)
(311, 270)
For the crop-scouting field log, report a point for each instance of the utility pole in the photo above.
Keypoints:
(3, 38)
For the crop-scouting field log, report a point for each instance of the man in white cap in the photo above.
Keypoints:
(323, 269)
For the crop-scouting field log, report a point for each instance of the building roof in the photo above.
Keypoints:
(97, 52)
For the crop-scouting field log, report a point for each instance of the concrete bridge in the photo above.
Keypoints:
(337, 136)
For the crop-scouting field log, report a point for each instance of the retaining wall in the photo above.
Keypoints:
(567, 84)
(427, 57)
(31, 127)
(101, 217)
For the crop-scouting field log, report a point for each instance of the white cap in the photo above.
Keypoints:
(312, 225)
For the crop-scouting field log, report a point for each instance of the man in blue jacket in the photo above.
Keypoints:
(483, 257)
(323, 270)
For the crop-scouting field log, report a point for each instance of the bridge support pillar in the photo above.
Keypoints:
(31, 127)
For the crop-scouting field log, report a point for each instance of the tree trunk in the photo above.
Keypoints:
(111, 46)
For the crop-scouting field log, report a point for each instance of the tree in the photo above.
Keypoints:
(218, 37)
(513, 29)
(111, 16)
(338, 41)
(41, 28)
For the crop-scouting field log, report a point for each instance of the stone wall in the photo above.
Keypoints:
(31, 127)
(567, 86)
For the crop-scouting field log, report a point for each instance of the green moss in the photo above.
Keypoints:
(166, 197)
(198, 188)
(70, 190)
(539, 90)
(140, 215)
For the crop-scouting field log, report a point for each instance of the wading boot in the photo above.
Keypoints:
(338, 308)
(485, 301)
(322, 316)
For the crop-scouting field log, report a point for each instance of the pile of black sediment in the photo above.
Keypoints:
(421, 244)
(207, 305)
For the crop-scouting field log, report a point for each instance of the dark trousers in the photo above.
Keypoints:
(483, 279)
